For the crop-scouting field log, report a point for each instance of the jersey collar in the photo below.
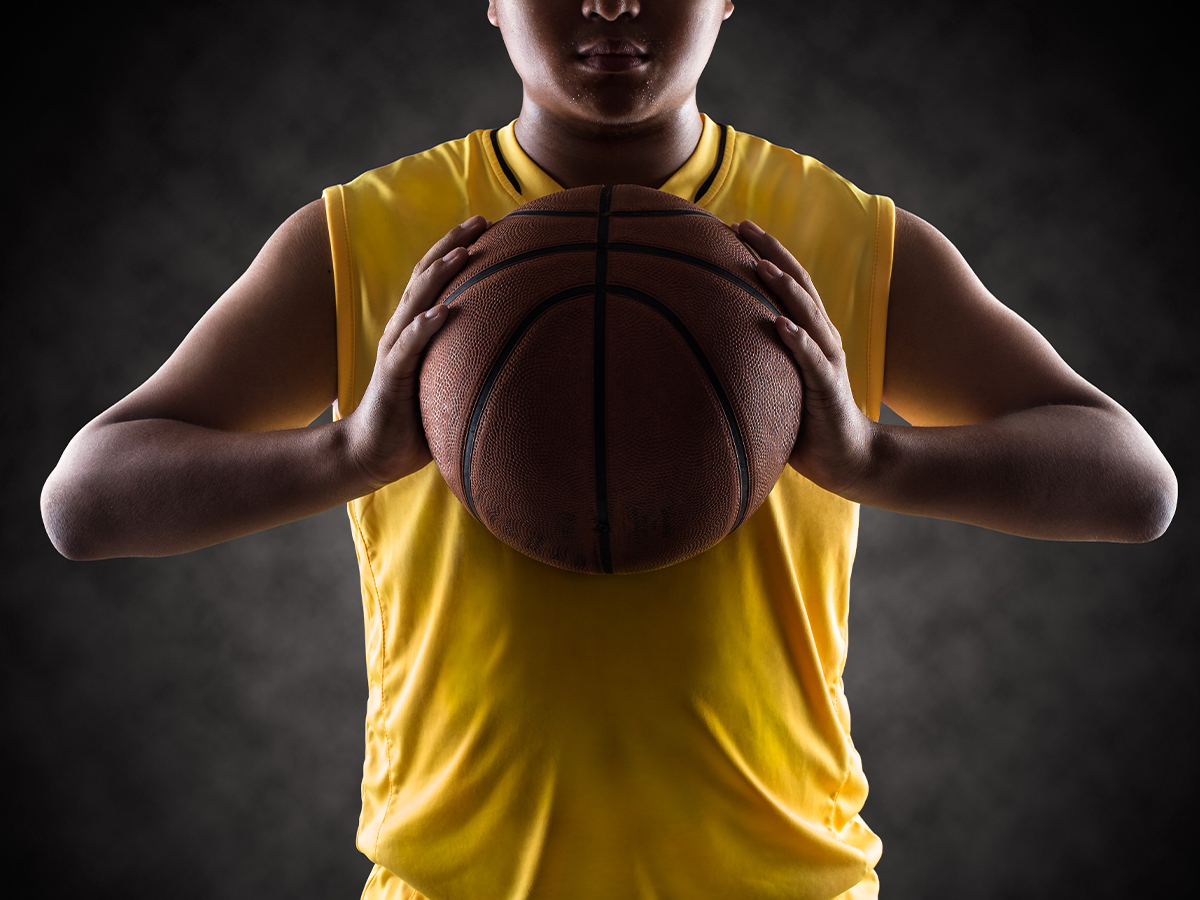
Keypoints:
(698, 180)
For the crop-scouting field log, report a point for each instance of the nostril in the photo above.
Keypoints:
(611, 10)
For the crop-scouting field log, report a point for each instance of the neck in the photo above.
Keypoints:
(575, 154)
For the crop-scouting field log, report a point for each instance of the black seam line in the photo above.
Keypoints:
(648, 213)
(508, 173)
(598, 382)
(497, 367)
(703, 264)
(618, 214)
(513, 260)
(739, 445)
(753, 252)
(628, 248)
(577, 213)
(717, 168)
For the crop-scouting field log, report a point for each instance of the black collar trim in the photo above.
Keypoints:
(716, 168)
(508, 173)
(512, 178)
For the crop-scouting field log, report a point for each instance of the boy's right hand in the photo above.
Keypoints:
(215, 445)
(386, 438)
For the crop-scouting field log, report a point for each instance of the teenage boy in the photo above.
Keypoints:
(537, 733)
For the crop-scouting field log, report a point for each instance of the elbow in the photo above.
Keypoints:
(1158, 507)
(65, 521)
(1140, 476)
(1151, 507)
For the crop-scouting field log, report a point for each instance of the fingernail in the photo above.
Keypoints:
(469, 221)
(449, 257)
(767, 267)
(434, 311)
(752, 228)
(790, 326)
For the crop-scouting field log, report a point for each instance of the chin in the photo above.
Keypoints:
(627, 110)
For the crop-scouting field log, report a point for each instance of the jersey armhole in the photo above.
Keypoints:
(881, 281)
(343, 281)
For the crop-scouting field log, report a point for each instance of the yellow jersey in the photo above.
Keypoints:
(537, 733)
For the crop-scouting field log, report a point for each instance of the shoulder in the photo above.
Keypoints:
(419, 174)
(305, 234)
(771, 170)
(841, 235)
(838, 232)
(815, 211)
(416, 199)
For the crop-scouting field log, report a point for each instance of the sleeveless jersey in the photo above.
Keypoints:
(538, 733)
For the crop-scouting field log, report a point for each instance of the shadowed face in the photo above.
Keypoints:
(609, 62)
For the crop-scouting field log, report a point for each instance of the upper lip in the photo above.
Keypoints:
(612, 47)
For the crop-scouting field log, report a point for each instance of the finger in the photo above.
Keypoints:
(804, 307)
(439, 263)
(422, 291)
(405, 356)
(458, 236)
(431, 275)
(818, 372)
(769, 247)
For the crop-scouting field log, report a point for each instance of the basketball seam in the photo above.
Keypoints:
(514, 260)
(494, 374)
(621, 247)
(616, 214)
(598, 382)
(701, 263)
(657, 306)
(601, 247)
(735, 430)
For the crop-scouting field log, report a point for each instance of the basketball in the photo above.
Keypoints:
(608, 393)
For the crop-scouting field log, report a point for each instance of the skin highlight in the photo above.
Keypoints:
(583, 125)
(1009, 437)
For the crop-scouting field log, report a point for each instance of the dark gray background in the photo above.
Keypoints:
(192, 727)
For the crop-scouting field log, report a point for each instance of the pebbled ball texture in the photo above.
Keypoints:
(609, 393)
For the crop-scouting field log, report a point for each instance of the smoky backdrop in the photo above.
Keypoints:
(192, 727)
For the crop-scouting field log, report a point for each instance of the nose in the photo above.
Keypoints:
(611, 10)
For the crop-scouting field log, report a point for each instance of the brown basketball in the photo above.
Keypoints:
(609, 393)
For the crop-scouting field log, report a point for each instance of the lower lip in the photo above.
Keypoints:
(613, 62)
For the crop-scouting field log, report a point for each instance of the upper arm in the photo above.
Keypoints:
(956, 355)
(264, 357)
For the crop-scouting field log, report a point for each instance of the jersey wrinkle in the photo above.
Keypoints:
(676, 734)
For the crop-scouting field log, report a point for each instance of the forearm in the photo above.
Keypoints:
(156, 487)
(1054, 472)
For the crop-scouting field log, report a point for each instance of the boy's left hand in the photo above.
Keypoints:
(1020, 443)
(833, 448)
